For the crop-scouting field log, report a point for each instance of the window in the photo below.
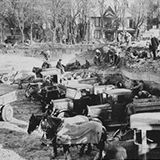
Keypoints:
(96, 34)
(108, 23)
(131, 23)
(97, 22)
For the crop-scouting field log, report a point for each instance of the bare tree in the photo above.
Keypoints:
(102, 10)
(139, 14)
(79, 20)
(7, 14)
(117, 17)
(153, 13)
(122, 15)
(34, 15)
(52, 13)
(21, 13)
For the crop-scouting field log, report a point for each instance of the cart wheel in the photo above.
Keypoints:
(5, 79)
(7, 113)
(28, 91)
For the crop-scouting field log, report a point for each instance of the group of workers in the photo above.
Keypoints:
(138, 90)
(46, 64)
(110, 56)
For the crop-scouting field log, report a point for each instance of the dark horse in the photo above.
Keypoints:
(52, 125)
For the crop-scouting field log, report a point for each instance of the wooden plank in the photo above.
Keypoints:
(149, 106)
(7, 94)
(5, 88)
(8, 98)
(147, 103)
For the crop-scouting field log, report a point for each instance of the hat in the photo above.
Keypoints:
(60, 59)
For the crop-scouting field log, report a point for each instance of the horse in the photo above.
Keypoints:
(36, 122)
(57, 130)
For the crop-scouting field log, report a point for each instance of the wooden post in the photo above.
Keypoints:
(144, 144)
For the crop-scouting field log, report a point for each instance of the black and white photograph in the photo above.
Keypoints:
(79, 79)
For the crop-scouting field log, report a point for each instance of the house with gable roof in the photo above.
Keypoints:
(108, 28)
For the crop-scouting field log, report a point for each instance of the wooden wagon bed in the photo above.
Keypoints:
(7, 95)
(4, 89)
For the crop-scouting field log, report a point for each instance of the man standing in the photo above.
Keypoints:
(154, 46)
(97, 58)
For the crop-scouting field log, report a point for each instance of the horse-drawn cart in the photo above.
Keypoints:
(7, 96)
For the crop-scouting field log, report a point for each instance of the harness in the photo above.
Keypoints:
(47, 127)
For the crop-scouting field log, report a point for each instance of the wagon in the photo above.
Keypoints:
(7, 76)
(23, 76)
(7, 96)
(54, 73)
(36, 84)
(80, 95)
(82, 76)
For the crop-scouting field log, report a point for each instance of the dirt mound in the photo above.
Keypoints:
(82, 57)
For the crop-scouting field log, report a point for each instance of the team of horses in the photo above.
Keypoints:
(54, 128)
(81, 130)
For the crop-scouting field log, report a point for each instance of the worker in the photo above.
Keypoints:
(60, 66)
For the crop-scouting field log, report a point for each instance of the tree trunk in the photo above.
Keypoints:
(116, 35)
(2, 27)
(31, 33)
(54, 35)
(21, 29)
(22, 36)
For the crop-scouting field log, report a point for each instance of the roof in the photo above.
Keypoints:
(95, 10)
(109, 12)
(118, 91)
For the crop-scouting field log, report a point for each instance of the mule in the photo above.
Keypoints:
(67, 133)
